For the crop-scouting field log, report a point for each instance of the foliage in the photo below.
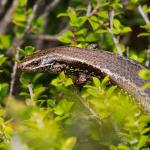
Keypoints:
(48, 112)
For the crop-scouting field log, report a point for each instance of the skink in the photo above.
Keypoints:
(72, 60)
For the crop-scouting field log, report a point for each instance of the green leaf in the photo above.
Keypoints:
(101, 31)
(2, 59)
(105, 81)
(144, 74)
(22, 3)
(37, 76)
(142, 141)
(5, 41)
(66, 37)
(59, 110)
(91, 37)
(38, 91)
(134, 1)
(80, 39)
(146, 26)
(62, 81)
(19, 17)
(143, 34)
(3, 89)
(63, 107)
(96, 82)
(123, 147)
(29, 50)
(146, 131)
(72, 14)
(78, 22)
(103, 14)
(94, 25)
(137, 58)
(81, 31)
(94, 21)
(51, 103)
(110, 91)
(62, 15)
(116, 23)
(116, 31)
(37, 25)
(24, 94)
(146, 86)
(126, 30)
(68, 82)
(54, 82)
(24, 80)
(62, 76)
(69, 143)
(146, 8)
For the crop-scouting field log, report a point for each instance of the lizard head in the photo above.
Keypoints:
(35, 63)
(41, 63)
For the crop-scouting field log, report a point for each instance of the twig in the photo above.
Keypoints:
(111, 18)
(89, 8)
(50, 37)
(30, 87)
(17, 42)
(96, 8)
(147, 62)
(2, 5)
(50, 7)
(13, 75)
(46, 37)
(47, 11)
(91, 12)
(94, 114)
(144, 15)
(31, 17)
(8, 17)
(111, 32)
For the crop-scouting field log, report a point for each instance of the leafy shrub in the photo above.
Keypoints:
(43, 111)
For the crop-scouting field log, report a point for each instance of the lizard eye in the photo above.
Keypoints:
(35, 63)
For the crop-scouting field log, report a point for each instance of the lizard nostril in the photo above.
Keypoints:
(20, 66)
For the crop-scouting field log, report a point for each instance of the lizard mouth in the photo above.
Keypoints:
(28, 66)
(24, 68)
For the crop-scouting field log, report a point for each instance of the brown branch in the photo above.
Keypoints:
(46, 37)
(30, 88)
(143, 14)
(51, 37)
(92, 112)
(50, 8)
(45, 15)
(32, 15)
(8, 17)
(18, 41)
(89, 8)
(116, 42)
(2, 5)
(146, 19)
(91, 12)
(13, 75)
(96, 8)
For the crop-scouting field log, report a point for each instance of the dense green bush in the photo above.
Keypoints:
(40, 111)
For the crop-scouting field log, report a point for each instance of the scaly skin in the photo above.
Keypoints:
(122, 71)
